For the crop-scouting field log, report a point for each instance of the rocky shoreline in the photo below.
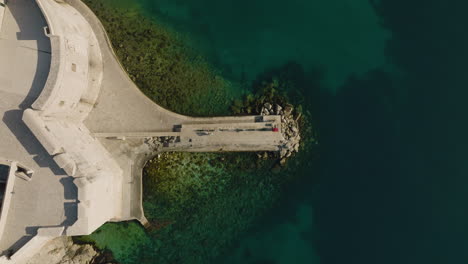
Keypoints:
(63, 250)
(289, 128)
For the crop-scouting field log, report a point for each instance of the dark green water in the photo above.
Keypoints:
(245, 37)
(389, 184)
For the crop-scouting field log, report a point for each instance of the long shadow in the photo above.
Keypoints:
(14, 122)
(31, 231)
(17, 245)
(31, 25)
(71, 207)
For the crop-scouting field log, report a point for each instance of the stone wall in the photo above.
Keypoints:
(57, 117)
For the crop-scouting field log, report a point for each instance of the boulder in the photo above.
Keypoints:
(61, 250)
(288, 110)
(278, 109)
(296, 147)
(282, 161)
(283, 152)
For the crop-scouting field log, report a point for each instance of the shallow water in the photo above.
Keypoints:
(389, 183)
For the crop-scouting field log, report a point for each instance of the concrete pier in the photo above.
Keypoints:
(73, 116)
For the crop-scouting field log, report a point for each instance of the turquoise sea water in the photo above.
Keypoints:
(389, 182)
(244, 37)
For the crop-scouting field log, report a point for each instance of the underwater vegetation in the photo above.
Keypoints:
(127, 242)
(197, 203)
(161, 65)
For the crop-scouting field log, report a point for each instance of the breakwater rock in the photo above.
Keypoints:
(289, 128)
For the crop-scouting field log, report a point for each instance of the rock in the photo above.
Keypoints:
(61, 250)
(282, 161)
(278, 109)
(290, 132)
(265, 111)
(268, 106)
(296, 147)
(288, 110)
(283, 152)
